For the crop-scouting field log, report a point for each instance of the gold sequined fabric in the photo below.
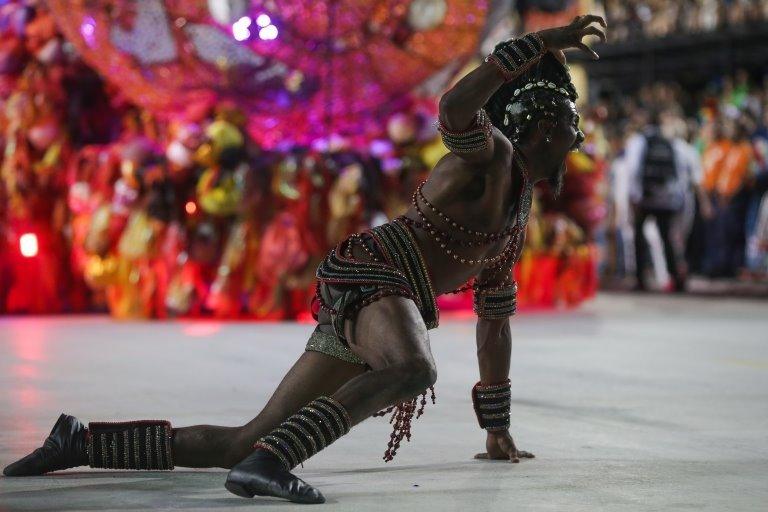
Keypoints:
(329, 344)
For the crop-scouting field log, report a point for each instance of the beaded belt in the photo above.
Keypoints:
(402, 272)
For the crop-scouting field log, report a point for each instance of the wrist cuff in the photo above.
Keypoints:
(515, 55)
(491, 403)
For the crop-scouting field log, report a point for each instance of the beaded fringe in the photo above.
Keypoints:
(402, 415)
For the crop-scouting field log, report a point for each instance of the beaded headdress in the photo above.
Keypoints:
(542, 91)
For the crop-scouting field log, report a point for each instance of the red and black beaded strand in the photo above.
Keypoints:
(402, 416)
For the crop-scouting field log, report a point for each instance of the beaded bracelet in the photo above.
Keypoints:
(514, 55)
(491, 403)
(474, 138)
(495, 302)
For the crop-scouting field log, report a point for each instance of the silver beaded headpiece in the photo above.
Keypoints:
(547, 108)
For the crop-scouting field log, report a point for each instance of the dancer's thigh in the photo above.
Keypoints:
(312, 375)
(389, 331)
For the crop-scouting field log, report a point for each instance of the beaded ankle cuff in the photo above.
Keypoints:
(491, 403)
(495, 302)
(312, 428)
(474, 138)
(515, 55)
(144, 444)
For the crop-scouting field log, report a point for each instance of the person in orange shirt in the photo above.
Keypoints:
(715, 154)
(727, 167)
(735, 167)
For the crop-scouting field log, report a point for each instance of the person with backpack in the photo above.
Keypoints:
(662, 171)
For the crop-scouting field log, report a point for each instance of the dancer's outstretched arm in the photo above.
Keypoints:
(494, 348)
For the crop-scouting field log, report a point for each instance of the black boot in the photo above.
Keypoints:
(64, 448)
(263, 474)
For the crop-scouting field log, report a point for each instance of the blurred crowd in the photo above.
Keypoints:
(106, 207)
(718, 141)
(636, 19)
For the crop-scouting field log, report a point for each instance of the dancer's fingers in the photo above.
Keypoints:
(586, 49)
(594, 31)
(589, 18)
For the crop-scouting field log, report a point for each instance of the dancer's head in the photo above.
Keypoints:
(536, 111)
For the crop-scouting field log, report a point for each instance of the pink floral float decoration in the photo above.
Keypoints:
(301, 69)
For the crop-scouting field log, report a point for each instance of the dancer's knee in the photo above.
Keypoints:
(417, 374)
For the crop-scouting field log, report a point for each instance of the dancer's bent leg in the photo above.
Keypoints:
(312, 375)
(391, 337)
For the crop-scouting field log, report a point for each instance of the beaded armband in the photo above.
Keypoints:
(142, 444)
(495, 302)
(474, 138)
(514, 55)
(491, 404)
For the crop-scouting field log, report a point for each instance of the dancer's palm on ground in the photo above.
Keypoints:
(501, 446)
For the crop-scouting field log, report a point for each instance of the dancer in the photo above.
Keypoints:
(509, 124)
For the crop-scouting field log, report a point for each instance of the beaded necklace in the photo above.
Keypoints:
(445, 239)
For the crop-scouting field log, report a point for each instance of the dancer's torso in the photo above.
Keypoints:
(482, 201)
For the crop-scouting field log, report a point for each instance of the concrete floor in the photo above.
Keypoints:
(653, 403)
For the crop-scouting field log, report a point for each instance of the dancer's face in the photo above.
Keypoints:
(566, 136)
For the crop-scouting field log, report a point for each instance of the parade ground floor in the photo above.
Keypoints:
(630, 403)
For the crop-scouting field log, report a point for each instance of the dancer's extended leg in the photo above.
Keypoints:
(312, 375)
(391, 337)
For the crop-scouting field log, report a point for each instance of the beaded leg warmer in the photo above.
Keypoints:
(314, 427)
(144, 444)
(491, 403)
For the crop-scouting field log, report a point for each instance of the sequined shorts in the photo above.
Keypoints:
(345, 284)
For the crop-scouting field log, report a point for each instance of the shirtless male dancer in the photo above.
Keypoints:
(508, 124)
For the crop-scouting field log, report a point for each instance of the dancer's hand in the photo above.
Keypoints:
(500, 446)
(561, 38)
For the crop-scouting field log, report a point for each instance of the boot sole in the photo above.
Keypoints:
(245, 490)
(240, 490)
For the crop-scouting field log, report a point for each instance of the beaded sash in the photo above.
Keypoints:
(398, 244)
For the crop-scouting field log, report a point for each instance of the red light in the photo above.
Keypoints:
(191, 207)
(28, 245)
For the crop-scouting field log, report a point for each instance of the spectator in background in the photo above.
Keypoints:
(727, 165)
(662, 168)
(637, 19)
(757, 207)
